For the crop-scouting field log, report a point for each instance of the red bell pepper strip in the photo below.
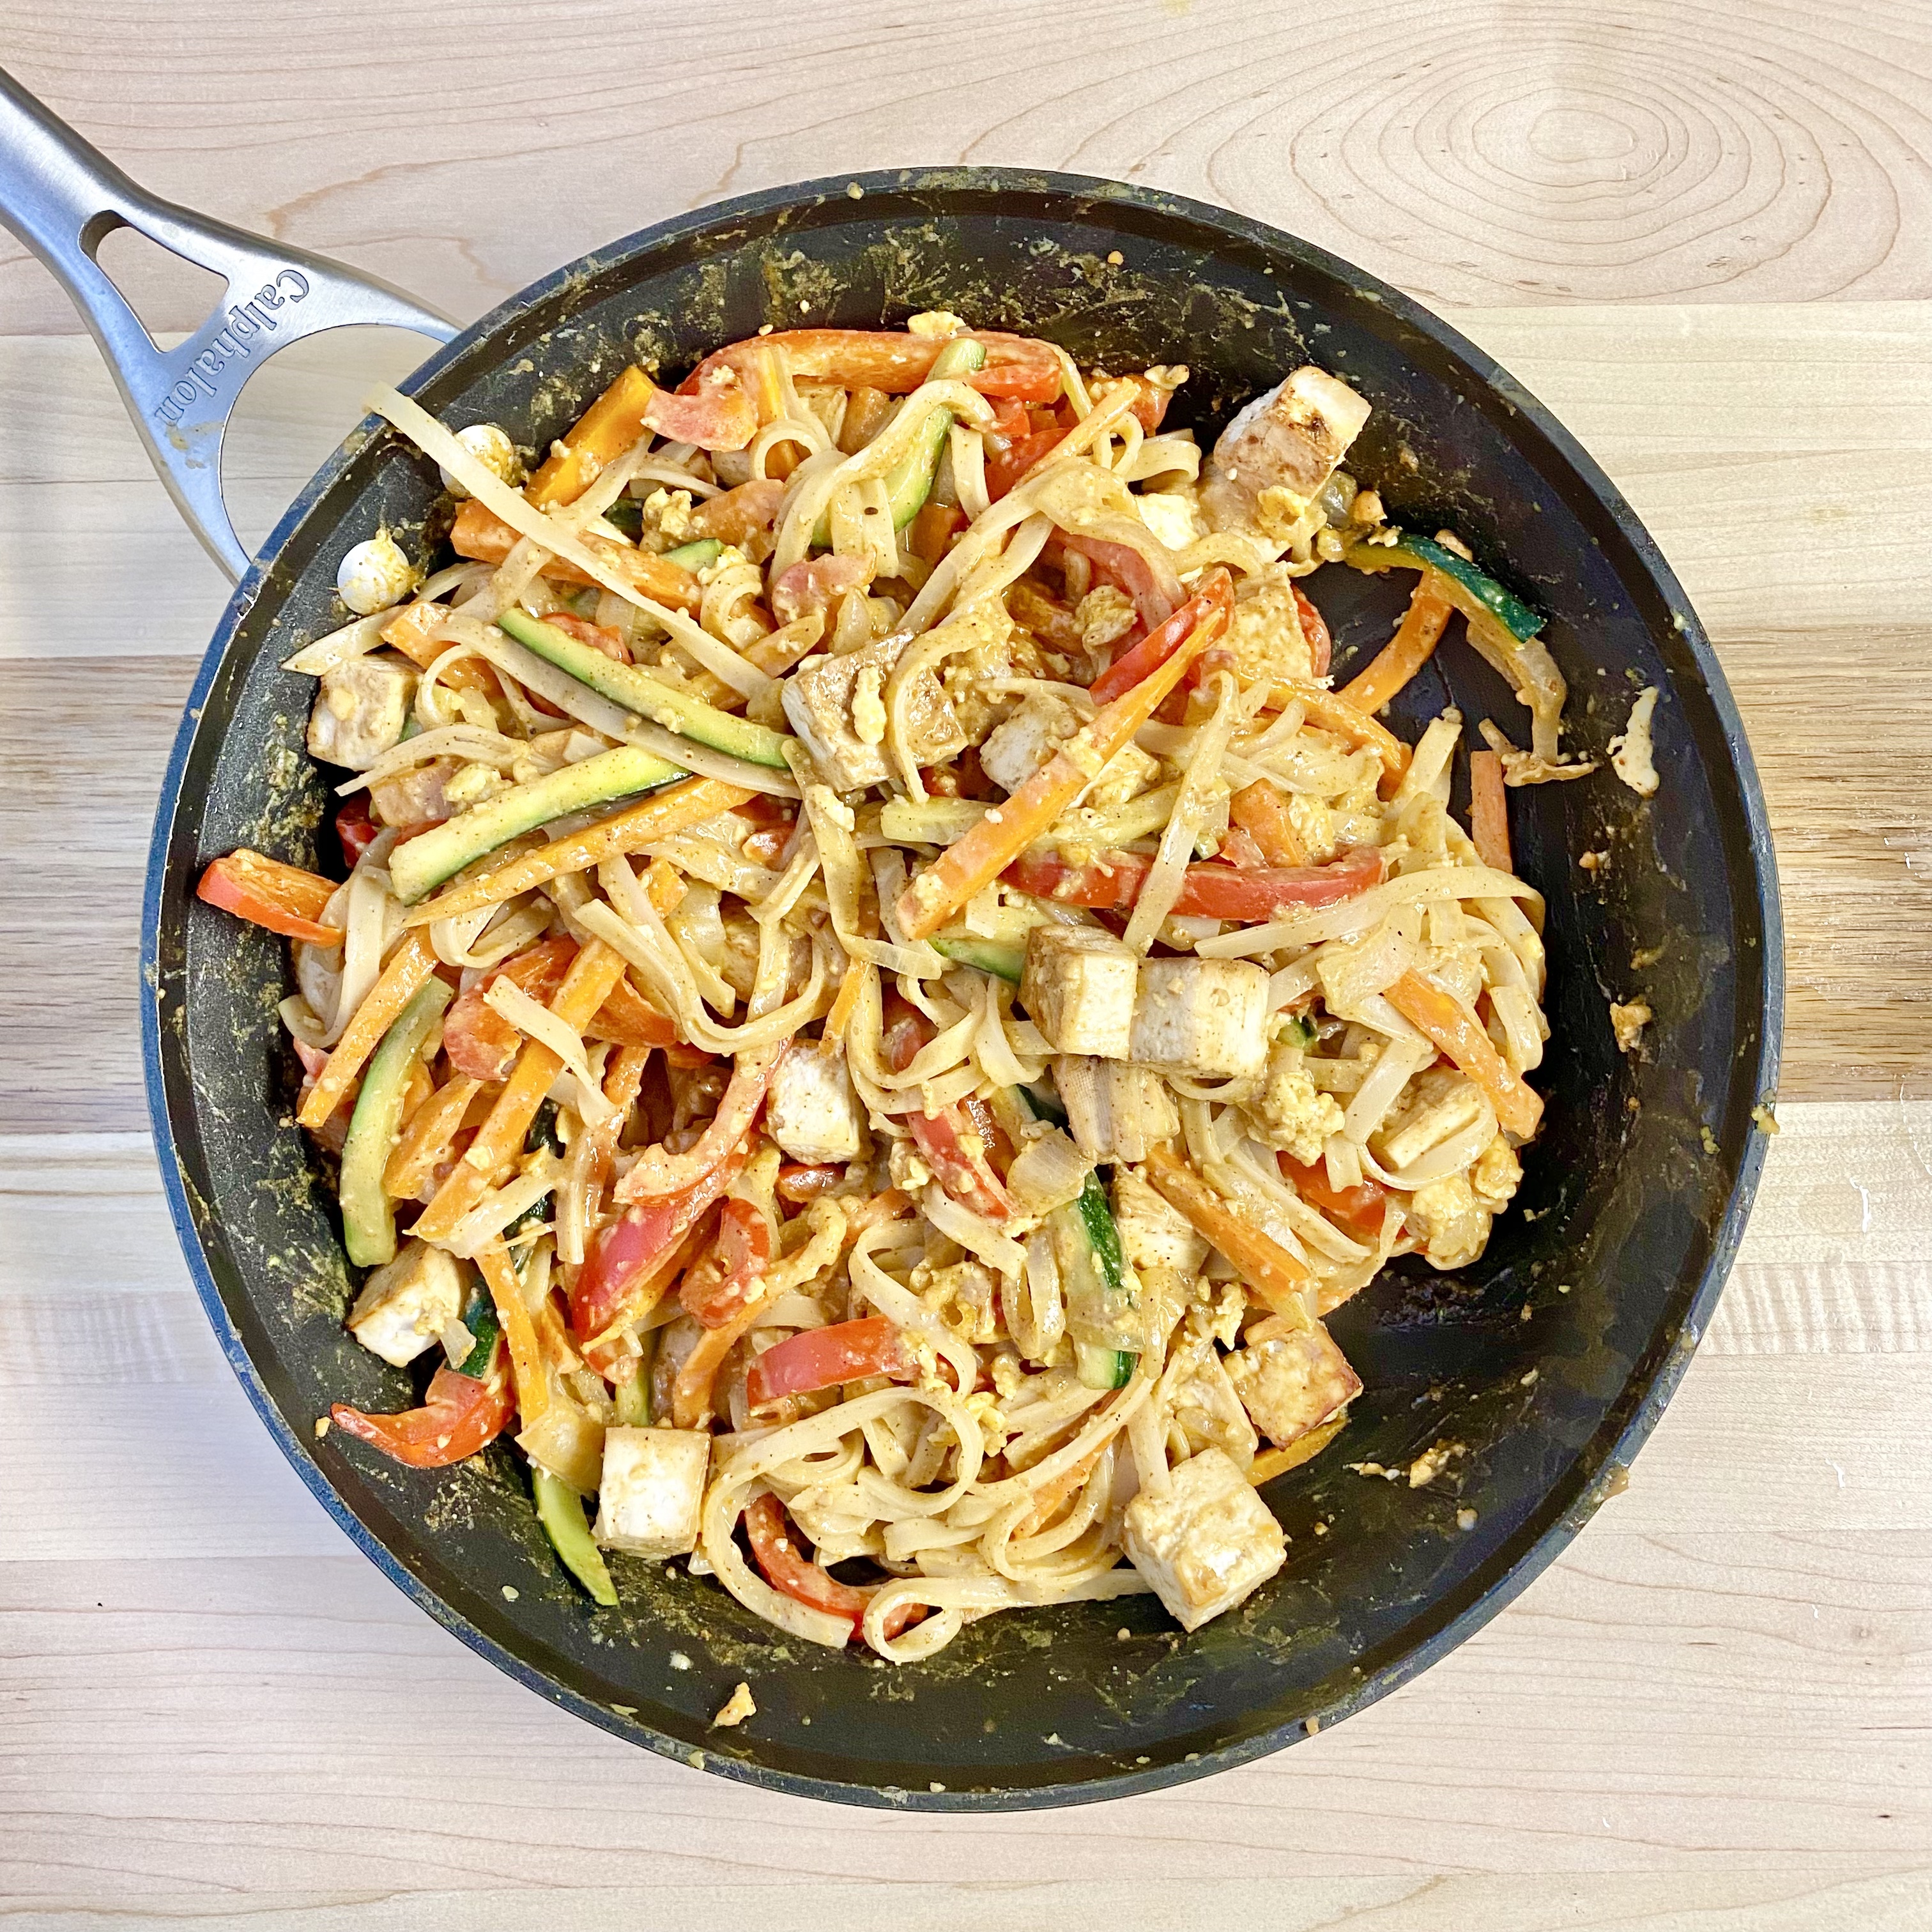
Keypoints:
(798, 1183)
(1320, 647)
(628, 1251)
(951, 1142)
(1160, 643)
(1124, 567)
(1210, 891)
(786, 1568)
(461, 1415)
(478, 1039)
(265, 891)
(895, 361)
(719, 1287)
(824, 1358)
(1005, 467)
(355, 830)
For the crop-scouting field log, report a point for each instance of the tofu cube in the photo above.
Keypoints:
(1206, 1018)
(812, 1112)
(1292, 438)
(1014, 751)
(819, 698)
(1155, 1237)
(407, 1302)
(1116, 1111)
(1294, 1384)
(1208, 1543)
(1079, 986)
(653, 1491)
(361, 710)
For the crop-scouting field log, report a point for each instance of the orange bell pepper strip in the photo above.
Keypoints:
(461, 1415)
(1261, 811)
(594, 971)
(1270, 1463)
(1444, 1018)
(603, 432)
(426, 1138)
(1274, 1275)
(1488, 811)
(409, 968)
(480, 533)
(266, 892)
(674, 809)
(1008, 829)
(1404, 654)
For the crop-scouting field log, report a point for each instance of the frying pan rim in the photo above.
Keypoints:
(1587, 1480)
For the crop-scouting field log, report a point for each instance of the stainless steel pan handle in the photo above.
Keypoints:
(62, 197)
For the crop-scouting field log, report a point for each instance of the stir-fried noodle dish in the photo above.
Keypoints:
(882, 990)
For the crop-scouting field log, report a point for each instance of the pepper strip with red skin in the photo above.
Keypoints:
(461, 1416)
(895, 362)
(952, 1142)
(478, 1039)
(824, 1358)
(1159, 645)
(266, 892)
(604, 1296)
(1005, 832)
(1210, 891)
(1360, 1207)
(1123, 566)
(658, 1172)
(719, 1287)
(786, 1568)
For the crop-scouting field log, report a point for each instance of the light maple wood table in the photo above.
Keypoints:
(1703, 235)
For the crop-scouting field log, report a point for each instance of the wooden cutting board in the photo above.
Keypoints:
(1703, 238)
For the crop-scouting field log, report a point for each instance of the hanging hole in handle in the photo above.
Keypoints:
(170, 296)
(294, 409)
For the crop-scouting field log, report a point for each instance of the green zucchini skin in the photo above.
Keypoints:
(368, 1215)
(1004, 962)
(1415, 552)
(562, 1515)
(649, 697)
(418, 866)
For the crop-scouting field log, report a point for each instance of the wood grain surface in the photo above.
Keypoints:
(1703, 235)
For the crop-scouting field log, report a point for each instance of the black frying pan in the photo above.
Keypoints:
(1635, 1194)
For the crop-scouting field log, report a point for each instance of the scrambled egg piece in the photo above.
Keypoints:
(1265, 635)
(1451, 1224)
(1104, 615)
(1292, 1112)
(1628, 1022)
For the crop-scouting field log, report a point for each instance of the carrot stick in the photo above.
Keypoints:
(1260, 811)
(410, 966)
(690, 1395)
(1333, 713)
(427, 1138)
(1266, 1267)
(1405, 653)
(674, 809)
(479, 533)
(1488, 811)
(603, 432)
(1009, 829)
(526, 1356)
(500, 1139)
(1457, 1031)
